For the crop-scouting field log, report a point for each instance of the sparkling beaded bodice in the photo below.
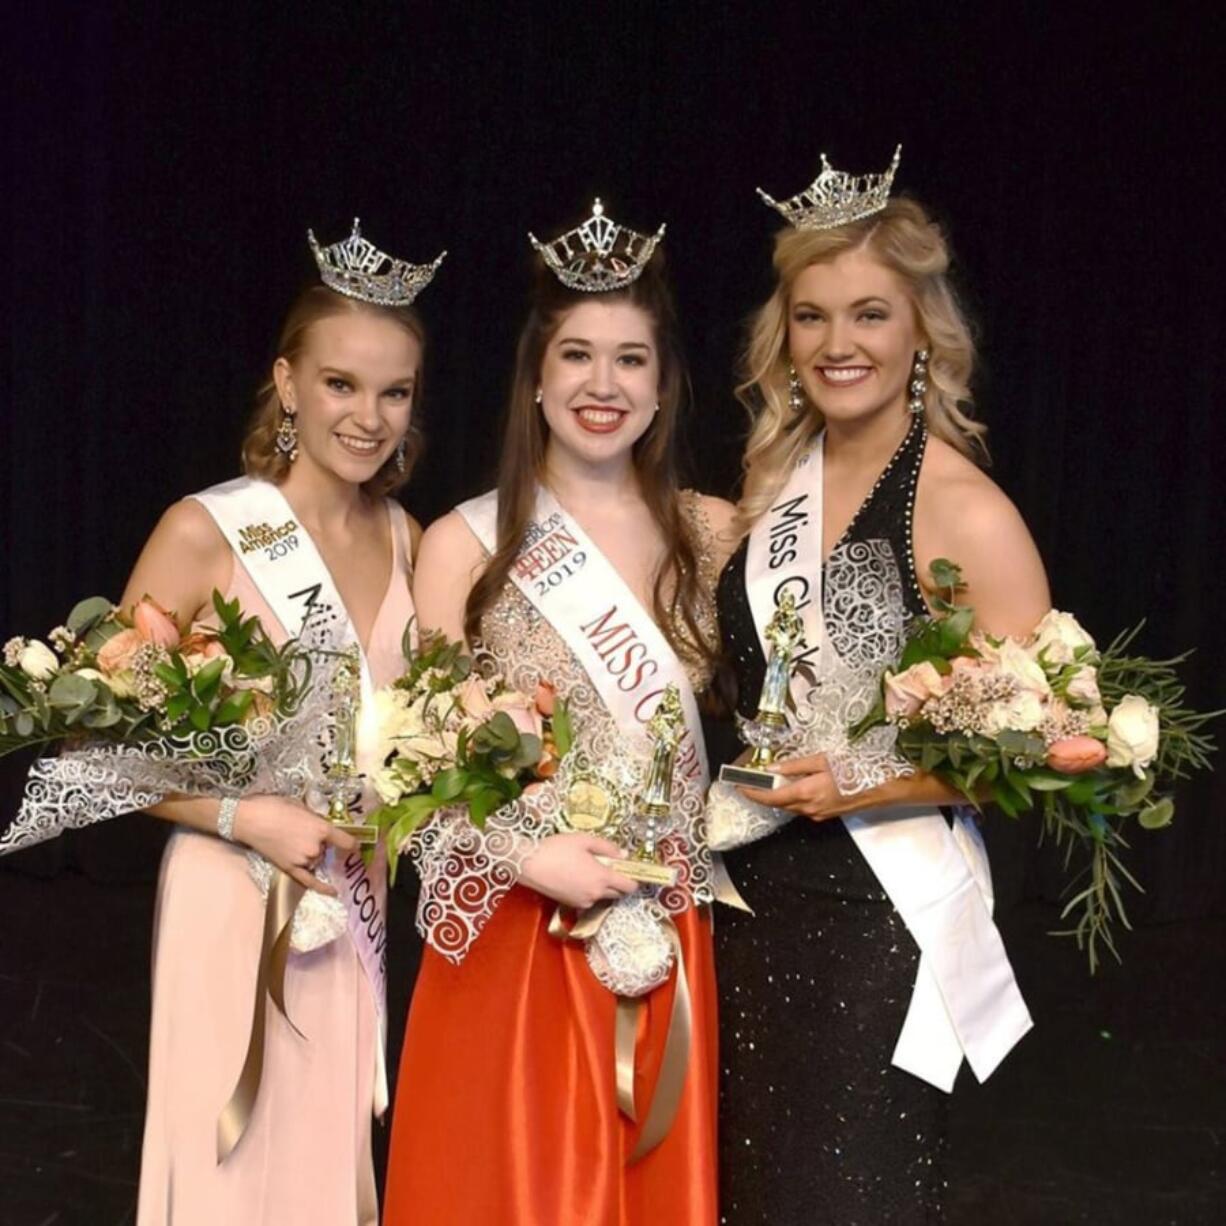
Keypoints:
(870, 591)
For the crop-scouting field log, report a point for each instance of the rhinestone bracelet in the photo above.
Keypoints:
(226, 812)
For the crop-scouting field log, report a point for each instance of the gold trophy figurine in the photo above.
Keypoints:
(769, 728)
(342, 783)
(653, 812)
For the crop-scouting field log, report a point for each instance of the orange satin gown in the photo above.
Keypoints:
(506, 1102)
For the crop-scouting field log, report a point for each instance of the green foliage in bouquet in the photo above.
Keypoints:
(1113, 735)
(135, 679)
(449, 748)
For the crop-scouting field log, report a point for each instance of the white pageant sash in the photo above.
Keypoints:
(966, 1001)
(577, 590)
(286, 568)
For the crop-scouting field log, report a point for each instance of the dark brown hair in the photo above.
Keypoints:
(260, 455)
(677, 593)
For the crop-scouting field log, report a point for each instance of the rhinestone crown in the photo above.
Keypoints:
(835, 198)
(598, 255)
(357, 268)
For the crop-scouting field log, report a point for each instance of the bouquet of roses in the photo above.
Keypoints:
(452, 734)
(141, 710)
(1089, 737)
(134, 677)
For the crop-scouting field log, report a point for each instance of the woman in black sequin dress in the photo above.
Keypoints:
(817, 1126)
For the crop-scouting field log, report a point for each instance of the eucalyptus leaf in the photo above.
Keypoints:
(87, 613)
(71, 690)
(1157, 815)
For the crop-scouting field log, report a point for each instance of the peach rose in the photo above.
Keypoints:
(474, 701)
(155, 624)
(907, 691)
(522, 711)
(201, 643)
(117, 653)
(546, 693)
(1075, 755)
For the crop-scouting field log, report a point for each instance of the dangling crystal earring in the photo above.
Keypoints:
(540, 395)
(287, 436)
(919, 382)
(796, 392)
(400, 461)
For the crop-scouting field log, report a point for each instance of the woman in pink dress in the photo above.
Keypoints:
(332, 436)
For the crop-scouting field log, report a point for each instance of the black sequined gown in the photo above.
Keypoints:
(816, 1126)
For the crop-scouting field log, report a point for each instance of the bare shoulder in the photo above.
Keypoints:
(183, 560)
(959, 496)
(449, 543)
(187, 525)
(963, 515)
(449, 562)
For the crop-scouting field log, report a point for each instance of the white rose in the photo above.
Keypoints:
(1013, 661)
(1083, 687)
(38, 661)
(1022, 713)
(390, 785)
(1132, 734)
(1058, 636)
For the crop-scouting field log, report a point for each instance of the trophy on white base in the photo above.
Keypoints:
(767, 731)
(652, 813)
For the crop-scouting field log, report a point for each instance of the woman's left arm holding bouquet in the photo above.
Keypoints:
(962, 515)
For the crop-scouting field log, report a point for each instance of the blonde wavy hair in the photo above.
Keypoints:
(907, 241)
(260, 455)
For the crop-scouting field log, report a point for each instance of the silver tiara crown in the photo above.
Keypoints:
(599, 255)
(357, 268)
(835, 198)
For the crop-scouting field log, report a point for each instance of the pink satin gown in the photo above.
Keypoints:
(305, 1159)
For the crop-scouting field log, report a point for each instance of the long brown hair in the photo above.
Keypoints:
(260, 455)
(677, 594)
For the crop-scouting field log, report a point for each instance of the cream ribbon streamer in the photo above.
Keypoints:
(283, 897)
(666, 1099)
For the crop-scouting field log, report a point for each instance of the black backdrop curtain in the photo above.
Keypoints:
(166, 162)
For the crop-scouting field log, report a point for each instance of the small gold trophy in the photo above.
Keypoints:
(769, 728)
(342, 783)
(653, 812)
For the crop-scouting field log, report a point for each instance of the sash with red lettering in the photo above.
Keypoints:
(577, 590)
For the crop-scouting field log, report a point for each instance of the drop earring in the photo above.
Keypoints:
(540, 395)
(796, 392)
(919, 382)
(400, 459)
(287, 435)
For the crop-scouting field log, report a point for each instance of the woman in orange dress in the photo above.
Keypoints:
(587, 570)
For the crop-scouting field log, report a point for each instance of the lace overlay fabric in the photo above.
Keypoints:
(465, 872)
(869, 595)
